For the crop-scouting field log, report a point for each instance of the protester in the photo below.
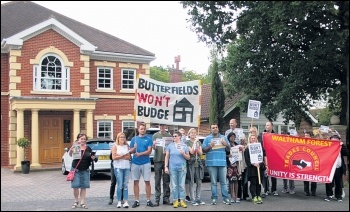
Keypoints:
(307, 134)
(233, 173)
(269, 129)
(121, 164)
(141, 147)
(175, 164)
(195, 169)
(187, 180)
(215, 146)
(159, 169)
(253, 176)
(81, 179)
(339, 172)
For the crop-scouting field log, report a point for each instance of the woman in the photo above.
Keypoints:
(233, 174)
(121, 164)
(82, 172)
(195, 167)
(252, 168)
(175, 165)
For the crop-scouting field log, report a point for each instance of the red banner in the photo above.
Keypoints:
(299, 158)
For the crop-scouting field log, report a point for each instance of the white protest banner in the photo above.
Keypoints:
(168, 103)
(256, 153)
(254, 109)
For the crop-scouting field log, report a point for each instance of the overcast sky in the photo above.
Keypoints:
(159, 27)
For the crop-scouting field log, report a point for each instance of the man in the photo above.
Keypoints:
(141, 147)
(269, 129)
(159, 173)
(215, 146)
(339, 172)
(307, 134)
(233, 125)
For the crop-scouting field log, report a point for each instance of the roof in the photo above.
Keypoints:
(18, 16)
(230, 102)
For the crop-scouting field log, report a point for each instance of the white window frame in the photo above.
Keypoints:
(104, 78)
(127, 124)
(133, 80)
(37, 78)
(105, 131)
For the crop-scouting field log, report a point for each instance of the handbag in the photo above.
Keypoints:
(70, 176)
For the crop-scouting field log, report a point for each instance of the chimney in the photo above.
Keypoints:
(176, 74)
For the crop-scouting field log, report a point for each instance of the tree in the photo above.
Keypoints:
(217, 101)
(285, 54)
(159, 73)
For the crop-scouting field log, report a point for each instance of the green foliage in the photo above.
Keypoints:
(324, 117)
(217, 101)
(287, 54)
(159, 73)
(23, 142)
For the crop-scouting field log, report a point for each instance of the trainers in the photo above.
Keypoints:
(284, 191)
(255, 200)
(238, 200)
(292, 191)
(307, 194)
(227, 201)
(183, 204)
(125, 205)
(267, 193)
(150, 203)
(188, 199)
(232, 201)
(313, 193)
(213, 202)
(328, 198)
(176, 204)
(136, 204)
(275, 193)
(195, 203)
(259, 200)
(200, 202)
(339, 199)
(119, 205)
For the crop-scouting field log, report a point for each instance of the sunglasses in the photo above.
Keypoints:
(175, 136)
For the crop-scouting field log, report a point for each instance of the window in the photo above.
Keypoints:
(104, 129)
(128, 79)
(51, 75)
(104, 78)
(128, 124)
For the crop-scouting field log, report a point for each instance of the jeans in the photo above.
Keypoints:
(177, 180)
(215, 173)
(122, 176)
(195, 173)
(291, 184)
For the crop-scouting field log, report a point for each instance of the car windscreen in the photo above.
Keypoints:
(99, 145)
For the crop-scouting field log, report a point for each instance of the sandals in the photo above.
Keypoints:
(75, 205)
(84, 206)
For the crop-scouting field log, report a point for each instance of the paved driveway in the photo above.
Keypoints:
(49, 190)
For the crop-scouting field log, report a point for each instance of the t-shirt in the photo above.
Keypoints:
(85, 161)
(142, 144)
(215, 157)
(159, 153)
(176, 159)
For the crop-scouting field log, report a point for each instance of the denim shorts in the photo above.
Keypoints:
(81, 179)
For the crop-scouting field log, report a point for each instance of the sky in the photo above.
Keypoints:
(158, 27)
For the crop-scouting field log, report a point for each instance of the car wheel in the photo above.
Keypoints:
(64, 170)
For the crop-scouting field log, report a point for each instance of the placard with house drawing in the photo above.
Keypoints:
(167, 103)
(254, 109)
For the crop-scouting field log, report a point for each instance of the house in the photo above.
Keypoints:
(60, 77)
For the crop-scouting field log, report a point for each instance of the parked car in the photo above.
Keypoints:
(102, 147)
(201, 139)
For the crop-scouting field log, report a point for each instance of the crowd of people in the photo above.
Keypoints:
(179, 171)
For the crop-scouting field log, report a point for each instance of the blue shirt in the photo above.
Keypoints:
(142, 144)
(176, 159)
(215, 157)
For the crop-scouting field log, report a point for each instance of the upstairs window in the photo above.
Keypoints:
(128, 79)
(104, 78)
(51, 75)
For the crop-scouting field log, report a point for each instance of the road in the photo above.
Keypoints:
(49, 190)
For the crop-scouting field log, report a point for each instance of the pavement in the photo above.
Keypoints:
(48, 190)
